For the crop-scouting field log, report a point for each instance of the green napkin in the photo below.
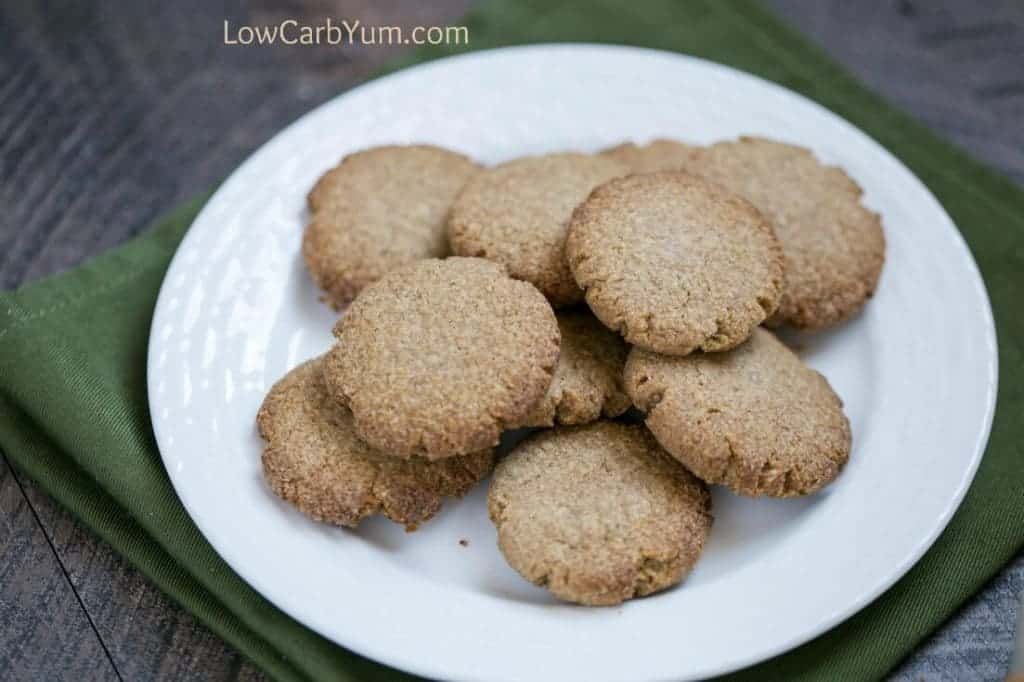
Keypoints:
(74, 416)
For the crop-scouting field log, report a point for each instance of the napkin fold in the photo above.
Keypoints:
(74, 414)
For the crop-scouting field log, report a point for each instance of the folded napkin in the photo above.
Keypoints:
(74, 414)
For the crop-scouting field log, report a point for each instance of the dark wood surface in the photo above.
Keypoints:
(111, 112)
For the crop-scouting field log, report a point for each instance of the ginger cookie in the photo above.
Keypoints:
(598, 514)
(755, 419)
(656, 155)
(588, 377)
(675, 263)
(834, 247)
(516, 214)
(377, 210)
(315, 461)
(438, 357)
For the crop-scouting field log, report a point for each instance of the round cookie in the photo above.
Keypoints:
(377, 210)
(755, 419)
(314, 460)
(598, 514)
(588, 377)
(438, 357)
(834, 247)
(675, 263)
(516, 214)
(656, 155)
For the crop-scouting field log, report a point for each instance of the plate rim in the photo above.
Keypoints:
(392, 658)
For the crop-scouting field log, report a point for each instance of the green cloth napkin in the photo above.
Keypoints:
(74, 416)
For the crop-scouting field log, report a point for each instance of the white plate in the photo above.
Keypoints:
(917, 372)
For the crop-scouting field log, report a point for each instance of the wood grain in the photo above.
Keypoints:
(111, 112)
(44, 628)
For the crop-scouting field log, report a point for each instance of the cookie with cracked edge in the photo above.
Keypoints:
(834, 246)
(438, 357)
(598, 514)
(377, 210)
(588, 377)
(314, 460)
(755, 419)
(675, 263)
(657, 155)
(516, 214)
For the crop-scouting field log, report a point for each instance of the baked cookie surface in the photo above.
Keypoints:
(834, 247)
(755, 419)
(598, 514)
(377, 210)
(438, 357)
(516, 214)
(588, 377)
(314, 460)
(675, 263)
(657, 155)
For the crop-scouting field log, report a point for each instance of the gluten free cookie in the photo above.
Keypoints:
(675, 263)
(656, 155)
(516, 214)
(438, 357)
(588, 377)
(598, 514)
(315, 461)
(834, 247)
(755, 419)
(377, 210)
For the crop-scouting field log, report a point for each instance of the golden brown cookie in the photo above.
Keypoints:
(377, 210)
(756, 419)
(315, 461)
(588, 376)
(438, 357)
(656, 155)
(598, 514)
(834, 247)
(516, 214)
(675, 263)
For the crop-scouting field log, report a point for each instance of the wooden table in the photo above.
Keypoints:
(112, 112)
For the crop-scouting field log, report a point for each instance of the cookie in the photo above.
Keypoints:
(516, 214)
(675, 263)
(588, 377)
(598, 514)
(834, 247)
(656, 155)
(377, 210)
(438, 357)
(315, 461)
(755, 419)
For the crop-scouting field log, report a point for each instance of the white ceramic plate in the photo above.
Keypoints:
(917, 371)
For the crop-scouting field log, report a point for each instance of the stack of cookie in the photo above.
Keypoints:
(575, 286)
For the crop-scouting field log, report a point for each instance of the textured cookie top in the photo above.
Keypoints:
(516, 214)
(657, 155)
(315, 461)
(588, 376)
(834, 247)
(377, 210)
(675, 263)
(756, 419)
(436, 358)
(598, 514)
